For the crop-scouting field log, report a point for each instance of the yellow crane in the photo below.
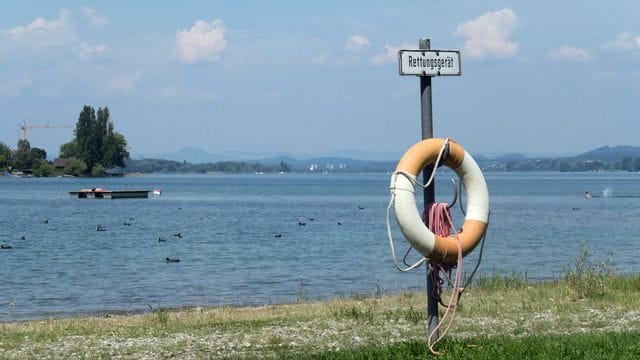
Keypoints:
(24, 127)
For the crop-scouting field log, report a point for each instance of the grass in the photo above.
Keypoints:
(585, 313)
(586, 278)
(583, 346)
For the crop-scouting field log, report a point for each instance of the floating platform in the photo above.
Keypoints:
(99, 193)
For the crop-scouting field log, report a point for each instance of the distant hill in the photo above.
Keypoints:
(606, 158)
(621, 157)
(610, 154)
(189, 154)
(511, 157)
(196, 155)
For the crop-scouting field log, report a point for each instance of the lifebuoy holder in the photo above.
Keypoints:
(403, 191)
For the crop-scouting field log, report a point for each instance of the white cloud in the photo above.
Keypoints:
(320, 59)
(88, 52)
(203, 42)
(356, 43)
(41, 33)
(93, 17)
(389, 55)
(569, 53)
(625, 41)
(488, 35)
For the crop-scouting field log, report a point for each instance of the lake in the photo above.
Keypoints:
(258, 239)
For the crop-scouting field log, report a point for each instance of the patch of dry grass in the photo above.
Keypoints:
(266, 331)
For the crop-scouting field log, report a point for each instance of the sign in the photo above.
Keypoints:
(429, 62)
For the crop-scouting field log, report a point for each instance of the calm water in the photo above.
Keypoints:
(229, 252)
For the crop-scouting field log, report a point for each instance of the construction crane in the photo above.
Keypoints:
(24, 128)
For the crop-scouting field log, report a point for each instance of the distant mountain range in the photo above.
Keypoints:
(196, 155)
(608, 153)
(352, 160)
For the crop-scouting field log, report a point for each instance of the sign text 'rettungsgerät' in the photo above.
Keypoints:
(429, 62)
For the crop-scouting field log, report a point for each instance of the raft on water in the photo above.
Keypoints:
(99, 193)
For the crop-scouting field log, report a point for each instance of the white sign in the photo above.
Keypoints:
(429, 62)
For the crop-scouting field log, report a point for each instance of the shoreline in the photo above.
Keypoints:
(497, 308)
(187, 307)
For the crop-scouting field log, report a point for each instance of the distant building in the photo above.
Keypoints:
(60, 163)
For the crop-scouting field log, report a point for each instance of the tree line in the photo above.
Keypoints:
(170, 166)
(627, 163)
(24, 158)
(95, 148)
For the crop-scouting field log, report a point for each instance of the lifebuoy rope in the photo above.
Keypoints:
(438, 216)
(440, 223)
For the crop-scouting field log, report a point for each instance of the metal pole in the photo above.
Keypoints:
(429, 192)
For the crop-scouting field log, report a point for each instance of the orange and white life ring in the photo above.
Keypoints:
(403, 188)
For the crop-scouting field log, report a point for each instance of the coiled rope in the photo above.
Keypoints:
(440, 223)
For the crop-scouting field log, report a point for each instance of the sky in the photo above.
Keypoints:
(319, 77)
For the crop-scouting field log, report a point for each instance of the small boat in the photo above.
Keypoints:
(157, 192)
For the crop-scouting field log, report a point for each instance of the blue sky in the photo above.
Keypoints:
(314, 77)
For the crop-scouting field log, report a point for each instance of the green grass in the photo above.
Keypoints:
(503, 318)
(497, 281)
(587, 312)
(580, 347)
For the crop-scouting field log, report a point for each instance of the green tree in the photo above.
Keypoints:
(44, 169)
(25, 158)
(38, 154)
(86, 133)
(98, 170)
(68, 150)
(625, 163)
(101, 133)
(284, 167)
(22, 159)
(95, 141)
(75, 167)
(115, 149)
(5, 156)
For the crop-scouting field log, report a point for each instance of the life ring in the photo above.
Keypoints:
(403, 186)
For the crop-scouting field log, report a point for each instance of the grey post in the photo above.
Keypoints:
(429, 192)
